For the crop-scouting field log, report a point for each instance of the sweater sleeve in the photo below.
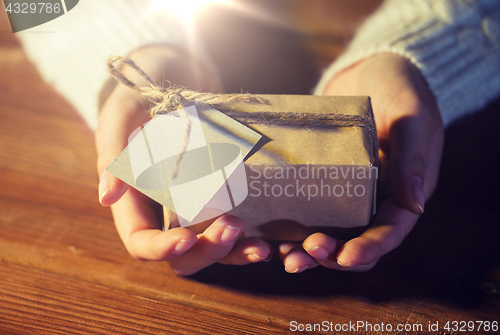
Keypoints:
(70, 52)
(455, 44)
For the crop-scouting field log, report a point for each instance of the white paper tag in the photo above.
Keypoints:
(211, 178)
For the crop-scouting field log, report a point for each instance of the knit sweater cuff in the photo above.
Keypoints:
(71, 54)
(455, 45)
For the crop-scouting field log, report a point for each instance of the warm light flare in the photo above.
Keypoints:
(186, 9)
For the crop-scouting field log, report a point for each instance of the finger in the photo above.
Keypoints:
(323, 249)
(247, 250)
(158, 245)
(318, 245)
(285, 247)
(297, 260)
(392, 224)
(214, 244)
(121, 116)
(138, 226)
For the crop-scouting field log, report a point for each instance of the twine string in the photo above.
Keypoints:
(166, 100)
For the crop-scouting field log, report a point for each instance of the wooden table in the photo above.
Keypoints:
(64, 270)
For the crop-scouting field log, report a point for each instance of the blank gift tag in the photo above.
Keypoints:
(210, 179)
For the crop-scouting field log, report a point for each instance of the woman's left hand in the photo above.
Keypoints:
(411, 135)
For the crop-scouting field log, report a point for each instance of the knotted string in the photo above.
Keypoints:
(166, 100)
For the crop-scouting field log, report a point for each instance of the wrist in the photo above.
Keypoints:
(394, 83)
(355, 79)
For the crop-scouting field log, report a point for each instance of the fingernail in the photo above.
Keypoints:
(229, 235)
(104, 185)
(318, 252)
(253, 258)
(347, 265)
(418, 193)
(182, 246)
(299, 269)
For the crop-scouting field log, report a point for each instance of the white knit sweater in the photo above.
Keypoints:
(71, 51)
(454, 43)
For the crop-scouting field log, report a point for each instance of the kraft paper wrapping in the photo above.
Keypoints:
(304, 179)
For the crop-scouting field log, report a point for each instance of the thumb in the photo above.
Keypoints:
(120, 119)
(408, 159)
(111, 189)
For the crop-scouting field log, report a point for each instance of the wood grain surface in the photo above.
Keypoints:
(64, 270)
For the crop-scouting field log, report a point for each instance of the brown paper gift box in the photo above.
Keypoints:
(304, 179)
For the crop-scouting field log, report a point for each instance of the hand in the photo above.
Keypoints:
(138, 219)
(411, 135)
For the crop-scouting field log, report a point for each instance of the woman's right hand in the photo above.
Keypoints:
(136, 216)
